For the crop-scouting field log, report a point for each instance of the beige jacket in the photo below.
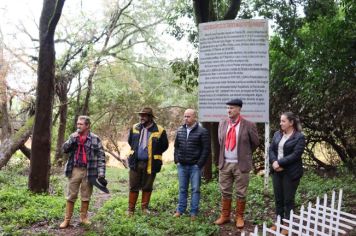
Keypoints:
(247, 142)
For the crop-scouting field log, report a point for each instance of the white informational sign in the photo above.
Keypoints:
(233, 63)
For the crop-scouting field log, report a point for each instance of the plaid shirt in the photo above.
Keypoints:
(95, 154)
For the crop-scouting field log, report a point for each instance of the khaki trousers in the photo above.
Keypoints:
(229, 174)
(77, 181)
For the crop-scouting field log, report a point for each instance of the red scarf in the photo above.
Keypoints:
(82, 140)
(230, 141)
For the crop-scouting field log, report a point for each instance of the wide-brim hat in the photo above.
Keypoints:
(235, 102)
(147, 111)
(100, 183)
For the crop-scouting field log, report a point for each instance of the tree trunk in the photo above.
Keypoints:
(41, 143)
(77, 105)
(342, 153)
(4, 116)
(63, 108)
(215, 146)
(12, 144)
(85, 110)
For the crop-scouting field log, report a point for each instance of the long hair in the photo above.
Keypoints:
(293, 118)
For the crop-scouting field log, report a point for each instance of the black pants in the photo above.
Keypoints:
(140, 180)
(284, 193)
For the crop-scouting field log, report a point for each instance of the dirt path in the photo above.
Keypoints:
(230, 229)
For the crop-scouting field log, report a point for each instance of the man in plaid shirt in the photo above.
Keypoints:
(86, 160)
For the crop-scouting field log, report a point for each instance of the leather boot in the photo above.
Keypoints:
(68, 215)
(146, 196)
(84, 213)
(132, 203)
(225, 212)
(240, 209)
(284, 231)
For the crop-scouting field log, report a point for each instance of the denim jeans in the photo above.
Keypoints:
(189, 174)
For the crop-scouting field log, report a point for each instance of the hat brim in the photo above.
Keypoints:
(96, 183)
(141, 113)
(233, 104)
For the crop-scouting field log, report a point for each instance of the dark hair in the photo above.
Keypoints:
(293, 118)
(85, 118)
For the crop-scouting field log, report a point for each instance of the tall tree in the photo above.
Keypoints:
(101, 43)
(312, 63)
(41, 143)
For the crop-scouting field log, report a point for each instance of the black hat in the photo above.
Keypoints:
(235, 102)
(100, 183)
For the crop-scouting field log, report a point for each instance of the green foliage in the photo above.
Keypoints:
(178, 27)
(313, 185)
(19, 207)
(312, 70)
(163, 203)
(187, 73)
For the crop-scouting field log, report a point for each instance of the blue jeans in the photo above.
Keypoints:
(186, 174)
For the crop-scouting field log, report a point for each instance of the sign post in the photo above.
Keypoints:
(234, 63)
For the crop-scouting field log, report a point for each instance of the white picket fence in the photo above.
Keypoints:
(319, 219)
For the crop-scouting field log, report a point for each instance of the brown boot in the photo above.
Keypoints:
(132, 203)
(68, 215)
(240, 209)
(146, 196)
(225, 212)
(284, 231)
(84, 213)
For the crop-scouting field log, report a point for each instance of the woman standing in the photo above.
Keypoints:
(285, 157)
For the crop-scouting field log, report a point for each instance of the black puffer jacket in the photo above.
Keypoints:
(292, 154)
(192, 151)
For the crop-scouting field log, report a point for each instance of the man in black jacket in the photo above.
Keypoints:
(191, 150)
(148, 141)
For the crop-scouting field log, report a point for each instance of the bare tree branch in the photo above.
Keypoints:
(19, 57)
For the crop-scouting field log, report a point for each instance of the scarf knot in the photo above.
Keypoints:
(81, 143)
(230, 141)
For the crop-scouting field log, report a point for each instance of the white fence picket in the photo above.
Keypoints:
(320, 220)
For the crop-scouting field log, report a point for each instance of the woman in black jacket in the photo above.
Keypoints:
(285, 157)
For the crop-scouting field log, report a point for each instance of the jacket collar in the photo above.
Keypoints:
(193, 128)
(89, 136)
(153, 128)
(226, 121)
(293, 136)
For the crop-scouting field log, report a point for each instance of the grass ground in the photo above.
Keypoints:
(24, 213)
